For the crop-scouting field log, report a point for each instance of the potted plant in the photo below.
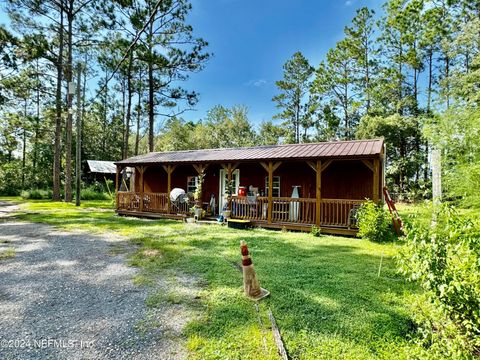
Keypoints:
(197, 196)
(228, 193)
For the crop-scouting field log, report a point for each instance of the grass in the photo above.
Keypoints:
(8, 253)
(325, 293)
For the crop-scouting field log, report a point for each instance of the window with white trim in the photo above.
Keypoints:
(275, 187)
(192, 183)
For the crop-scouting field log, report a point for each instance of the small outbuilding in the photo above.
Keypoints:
(294, 186)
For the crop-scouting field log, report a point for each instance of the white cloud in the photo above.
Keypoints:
(257, 82)
(348, 2)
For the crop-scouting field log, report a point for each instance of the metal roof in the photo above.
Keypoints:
(101, 167)
(330, 149)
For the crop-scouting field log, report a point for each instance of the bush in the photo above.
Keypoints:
(37, 194)
(316, 231)
(10, 173)
(89, 193)
(374, 222)
(445, 261)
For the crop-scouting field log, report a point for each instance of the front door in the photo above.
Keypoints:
(223, 186)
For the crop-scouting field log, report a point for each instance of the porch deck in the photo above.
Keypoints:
(286, 212)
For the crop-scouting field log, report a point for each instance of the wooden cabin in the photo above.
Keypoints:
(295, 186)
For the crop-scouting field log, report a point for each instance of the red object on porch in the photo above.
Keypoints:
(397, 221)
(242, 191)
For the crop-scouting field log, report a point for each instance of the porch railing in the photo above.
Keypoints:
(333, 212)
(338, 212)
(155, 202)
(152, 202)
(128, 201)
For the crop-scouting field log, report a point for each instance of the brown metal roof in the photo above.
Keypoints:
(331, 149)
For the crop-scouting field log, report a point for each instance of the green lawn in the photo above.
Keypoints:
(325, 291)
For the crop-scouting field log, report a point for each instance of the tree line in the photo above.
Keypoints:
(141, 50)
(408, 74)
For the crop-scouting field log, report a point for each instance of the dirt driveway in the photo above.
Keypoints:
(71, 296)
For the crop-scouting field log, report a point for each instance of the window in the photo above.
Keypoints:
(192, 183)
(275, 188)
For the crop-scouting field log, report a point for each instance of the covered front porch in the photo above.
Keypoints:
(328, 191)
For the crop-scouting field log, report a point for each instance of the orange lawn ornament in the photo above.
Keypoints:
(250, 282)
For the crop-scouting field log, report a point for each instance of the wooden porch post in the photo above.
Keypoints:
(376, 180)
(169, 169)
(141, 170)
(270, 192)
(117, 175)
(270, 167)
(318, 168)
(318, 191)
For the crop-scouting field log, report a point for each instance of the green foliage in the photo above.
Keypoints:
(294, 87)
(374, 222)
(445, 260)
(402, 136)
(316, 231)
(90, 193)
(37, 194)
(10, 173)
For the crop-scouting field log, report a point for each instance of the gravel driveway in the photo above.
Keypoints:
(70, 295)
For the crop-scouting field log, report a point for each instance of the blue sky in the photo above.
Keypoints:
(251, 40)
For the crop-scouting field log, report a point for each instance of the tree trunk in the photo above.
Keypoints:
(68, 139)
(37, 129)
(129, 103)
(124, 117)
(58, 115)
(447, 79)
(139, 114)
(367, 78)
(24, 142)
(400, 81)
(105, 114)
(151, 108)
(430, 79)
(78, 152)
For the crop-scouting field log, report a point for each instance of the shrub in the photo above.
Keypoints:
(445, 261)
(10, 173)
(37, 194)
(374, 222)
(89, 193)
(316, 231)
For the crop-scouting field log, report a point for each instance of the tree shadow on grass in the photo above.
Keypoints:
(326, 289)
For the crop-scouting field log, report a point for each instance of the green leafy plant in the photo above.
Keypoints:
(445, 260)
(316, 231)
(36, 194)
(374, 222)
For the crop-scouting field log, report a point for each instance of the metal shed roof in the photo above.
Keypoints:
(331, 149)
(101, 167)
